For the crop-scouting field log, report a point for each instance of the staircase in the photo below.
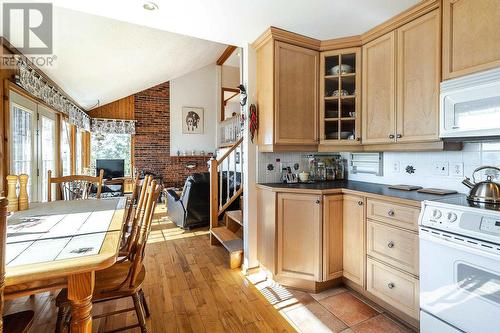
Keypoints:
(226, 226)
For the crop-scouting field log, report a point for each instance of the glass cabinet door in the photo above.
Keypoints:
(340, 97)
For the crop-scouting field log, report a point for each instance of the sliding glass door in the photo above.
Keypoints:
(23, 113)
(46, 149)
(32, 143)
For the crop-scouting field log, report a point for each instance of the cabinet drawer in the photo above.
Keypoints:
(394, 287)
(393, 246)
(388, 212)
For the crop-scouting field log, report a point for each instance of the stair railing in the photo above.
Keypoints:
(231, 165)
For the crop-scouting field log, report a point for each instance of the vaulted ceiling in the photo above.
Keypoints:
(108, 49)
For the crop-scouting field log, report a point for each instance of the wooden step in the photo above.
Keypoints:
(236, 216)
(232, 243)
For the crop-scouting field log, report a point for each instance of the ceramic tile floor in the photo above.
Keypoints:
(334, 310)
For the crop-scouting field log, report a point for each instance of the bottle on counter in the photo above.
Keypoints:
(339, 169)
(321, 172)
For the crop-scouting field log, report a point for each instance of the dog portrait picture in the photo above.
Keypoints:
(192, 120)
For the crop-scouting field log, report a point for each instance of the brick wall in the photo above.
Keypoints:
(152, 138)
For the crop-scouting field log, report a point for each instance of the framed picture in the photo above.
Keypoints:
(192, 120)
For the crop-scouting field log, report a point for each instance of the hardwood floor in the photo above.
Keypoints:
(189, 288)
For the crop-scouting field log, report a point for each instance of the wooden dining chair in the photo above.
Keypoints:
(19, 322)
(124, 279)
(75, 187)
(133, 217)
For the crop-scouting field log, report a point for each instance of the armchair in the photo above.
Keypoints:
(192, 207)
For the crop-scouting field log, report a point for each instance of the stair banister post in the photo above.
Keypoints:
(214, 189)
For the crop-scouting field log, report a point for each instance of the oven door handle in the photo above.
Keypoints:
(454, 244)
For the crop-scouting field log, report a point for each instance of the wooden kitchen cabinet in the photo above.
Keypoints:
(340, 99)
(354, 238)
(332, 236)
(379, 90)
(287, 96)
(418, 78)
(299, 230)
(471, 41)
(266, 229)
(401, 76)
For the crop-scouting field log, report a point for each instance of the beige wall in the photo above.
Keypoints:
(230, 76)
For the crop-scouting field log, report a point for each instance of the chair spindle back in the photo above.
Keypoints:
(75, 187)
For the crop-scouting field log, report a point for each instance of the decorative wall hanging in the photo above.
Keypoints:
(254, 121)
(243, 95)
(36, 85)
(192, 120)
(112, 126)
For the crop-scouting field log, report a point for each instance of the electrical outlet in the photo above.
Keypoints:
(396, 166)
(440, 168)
(457, 169)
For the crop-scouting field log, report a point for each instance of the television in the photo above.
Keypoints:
(113, 168)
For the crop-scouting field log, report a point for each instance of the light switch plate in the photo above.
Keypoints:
(396, 167)
(457, 169)
(440, 168)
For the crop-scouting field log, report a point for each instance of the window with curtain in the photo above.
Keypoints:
(65, 148)
(111, 146)
(78, 151)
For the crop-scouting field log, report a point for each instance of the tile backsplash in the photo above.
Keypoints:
(431, 169)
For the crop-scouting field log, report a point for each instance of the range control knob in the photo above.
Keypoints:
(436, 213)
(452, 217)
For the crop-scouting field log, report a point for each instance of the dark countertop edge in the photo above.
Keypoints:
(348, 186)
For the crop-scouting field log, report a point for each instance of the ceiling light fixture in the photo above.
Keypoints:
(150, 6)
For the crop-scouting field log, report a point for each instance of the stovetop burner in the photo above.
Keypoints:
(461, 200)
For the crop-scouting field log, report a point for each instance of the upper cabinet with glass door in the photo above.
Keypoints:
(340, 88)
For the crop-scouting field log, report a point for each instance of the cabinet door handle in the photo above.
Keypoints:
(391, 136)
(318, 201)
(390, 213)
(390, 244)
(399, 136)
(391, 285)
(360, 203)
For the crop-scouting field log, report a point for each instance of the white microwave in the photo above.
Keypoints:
(470, 106)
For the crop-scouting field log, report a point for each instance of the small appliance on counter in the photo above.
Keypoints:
(486, 192)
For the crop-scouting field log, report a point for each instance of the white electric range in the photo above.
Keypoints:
(459, 267)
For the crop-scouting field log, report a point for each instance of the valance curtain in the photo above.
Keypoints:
(113, 126)
(35, 84)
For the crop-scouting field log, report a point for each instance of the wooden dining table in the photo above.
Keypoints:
(61, 244)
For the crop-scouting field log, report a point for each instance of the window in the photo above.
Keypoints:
(46, 150)
(111, 146)
(22, 150)
(65, 148)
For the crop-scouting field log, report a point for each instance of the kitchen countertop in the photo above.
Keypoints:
(327, 187)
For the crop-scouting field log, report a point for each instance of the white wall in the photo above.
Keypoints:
(198, 89)
(249, 163)
(472, 156)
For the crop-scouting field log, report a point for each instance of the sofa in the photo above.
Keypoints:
(191, 209)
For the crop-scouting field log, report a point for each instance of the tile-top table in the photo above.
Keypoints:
(61, 244)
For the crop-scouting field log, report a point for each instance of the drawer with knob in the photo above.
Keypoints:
(394, 287)
(396, 214)
(394, 246)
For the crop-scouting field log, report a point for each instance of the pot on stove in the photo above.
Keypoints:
(483, 192)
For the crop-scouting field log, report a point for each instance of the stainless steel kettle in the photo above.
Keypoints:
(485, 191)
